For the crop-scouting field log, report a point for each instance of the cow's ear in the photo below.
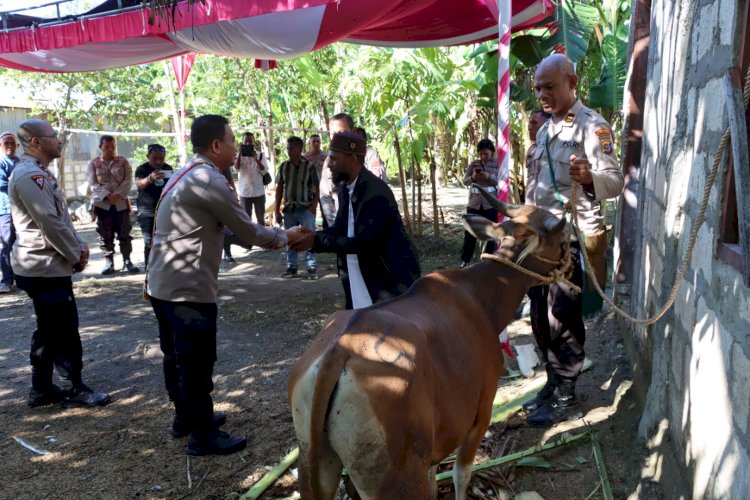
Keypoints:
(482, 228)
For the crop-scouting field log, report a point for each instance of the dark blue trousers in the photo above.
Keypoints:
(557, 321)
(187, 334)
(56, 341)
(7, 236)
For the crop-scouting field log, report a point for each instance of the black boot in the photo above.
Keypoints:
(128, 266)
(181, 428)
(562, 406)
(83, 395)
(545, 394)
(48, 396)
(215, 442)
(109, 265)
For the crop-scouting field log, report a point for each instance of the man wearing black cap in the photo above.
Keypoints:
(376, 258)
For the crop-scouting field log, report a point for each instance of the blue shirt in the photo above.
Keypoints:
(6, 168)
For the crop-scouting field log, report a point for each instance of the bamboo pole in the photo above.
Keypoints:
(271, 476)
(606, 489)
(444, 476)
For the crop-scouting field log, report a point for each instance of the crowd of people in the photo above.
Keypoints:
(191, 216)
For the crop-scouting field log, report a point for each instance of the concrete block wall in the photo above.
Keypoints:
(699, 353)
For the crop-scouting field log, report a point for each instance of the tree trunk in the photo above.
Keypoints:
(435, 221)
(271, 148)
(402, 180)
(417, 178)
(176, 117)
(326, 117)
(61, 166)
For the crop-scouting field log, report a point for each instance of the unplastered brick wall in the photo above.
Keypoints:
(699, 352)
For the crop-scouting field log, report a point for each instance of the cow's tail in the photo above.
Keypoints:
(327, 377)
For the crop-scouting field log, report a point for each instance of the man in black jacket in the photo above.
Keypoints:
(376, 258)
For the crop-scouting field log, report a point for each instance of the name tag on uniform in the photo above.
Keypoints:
(490, 189)
(571, 144)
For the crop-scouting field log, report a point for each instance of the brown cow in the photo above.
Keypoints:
(389, 391)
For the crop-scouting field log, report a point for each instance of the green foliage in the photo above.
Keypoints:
(615, 21)
(438, 102)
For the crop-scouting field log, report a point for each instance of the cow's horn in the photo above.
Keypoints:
(554, 225)
(504, 208)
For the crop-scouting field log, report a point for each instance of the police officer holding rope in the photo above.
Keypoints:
(574, 145)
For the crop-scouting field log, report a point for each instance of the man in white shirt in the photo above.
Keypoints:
(251, 165)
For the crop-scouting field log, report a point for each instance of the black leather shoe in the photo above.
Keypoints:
(215, 443)
(85, 396)
(180, 427)
(43, 398)
(109, 267)
(129, 267)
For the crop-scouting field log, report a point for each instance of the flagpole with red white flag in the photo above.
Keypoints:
(182, 66)
(503, 99)
(501, 10)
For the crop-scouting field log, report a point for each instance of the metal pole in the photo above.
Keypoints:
(503, 98)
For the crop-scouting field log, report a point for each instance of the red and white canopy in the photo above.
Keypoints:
(261, 29)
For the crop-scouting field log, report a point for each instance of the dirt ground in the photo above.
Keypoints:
(124, 450)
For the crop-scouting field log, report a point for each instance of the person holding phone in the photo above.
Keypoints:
(252, 167)
(150, 178)
(484, 173)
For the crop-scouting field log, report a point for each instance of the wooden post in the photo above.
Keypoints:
(741, 163)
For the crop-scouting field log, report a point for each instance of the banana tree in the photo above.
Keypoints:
(613, 40)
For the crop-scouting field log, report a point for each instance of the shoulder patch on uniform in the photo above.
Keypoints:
(38, 180)
(569, 118)
(605, 139)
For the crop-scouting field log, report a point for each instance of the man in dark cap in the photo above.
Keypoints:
(376, 258)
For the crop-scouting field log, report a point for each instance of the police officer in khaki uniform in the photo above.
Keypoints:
(110, 178)
(46, 253)
(575, 144)
(328, 189)
(183, 269)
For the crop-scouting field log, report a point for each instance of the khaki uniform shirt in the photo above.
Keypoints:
(375, 164)
(46, 244)
(105, 177)
(317, 160)
(328, 191)
(189, 234)
(583, 133)
(476, 200)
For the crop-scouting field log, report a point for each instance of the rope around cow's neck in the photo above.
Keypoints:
(558, 274)
(725, 138)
